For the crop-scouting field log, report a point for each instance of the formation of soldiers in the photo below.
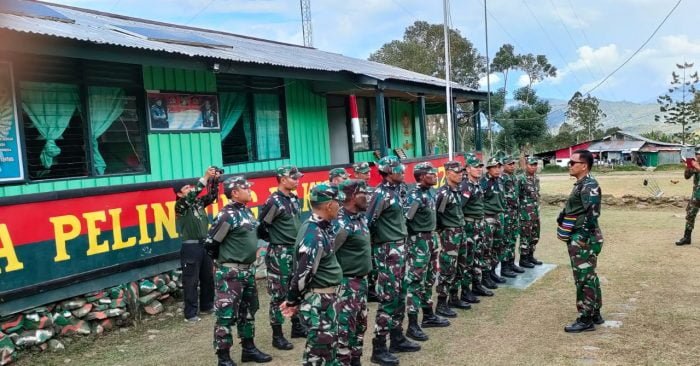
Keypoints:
(387, 242)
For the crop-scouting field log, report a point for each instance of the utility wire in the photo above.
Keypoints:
(199, 12)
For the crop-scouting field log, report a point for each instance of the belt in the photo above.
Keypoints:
(470, 219)
(238, 265)
(190, 242)
(325, 290)
(491, 215)
(423, 234)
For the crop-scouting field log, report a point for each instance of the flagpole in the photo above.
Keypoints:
(488, 81)
(448, 90)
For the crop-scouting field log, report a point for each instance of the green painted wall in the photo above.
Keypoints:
(399, 136)
(364, 156)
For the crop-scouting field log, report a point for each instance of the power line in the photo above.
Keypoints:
(199, 12)
(638, 49)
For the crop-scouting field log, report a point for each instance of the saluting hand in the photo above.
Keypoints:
(287, 310)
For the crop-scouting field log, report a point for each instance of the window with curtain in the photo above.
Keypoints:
(81, 118)
(253, 123)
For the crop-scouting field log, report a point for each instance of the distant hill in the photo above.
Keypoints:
(632, 117)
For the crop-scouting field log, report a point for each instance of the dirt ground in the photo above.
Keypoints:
(618, 184)
(649, 290)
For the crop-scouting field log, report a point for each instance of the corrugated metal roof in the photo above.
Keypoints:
(101, 28)
(616, 145)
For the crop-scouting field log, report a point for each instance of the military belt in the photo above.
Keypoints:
(241, 266)
(426, 235)
(325, 290)
(471, 219)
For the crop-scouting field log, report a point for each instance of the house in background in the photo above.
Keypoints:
(628, 148)
(561, 157)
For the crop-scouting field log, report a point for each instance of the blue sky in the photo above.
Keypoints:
(585, 40)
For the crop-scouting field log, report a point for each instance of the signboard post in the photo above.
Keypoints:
(11, 167)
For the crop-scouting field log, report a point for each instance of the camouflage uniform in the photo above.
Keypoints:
(585, 243)
(233, 234)
(494, 245)
(450, 224)
(511, 222)
(314, 282)
(475, 257)
(691, 211)
(353, 251)
(529, 200)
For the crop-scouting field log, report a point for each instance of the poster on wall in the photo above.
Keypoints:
(182, 112)
(11, 167)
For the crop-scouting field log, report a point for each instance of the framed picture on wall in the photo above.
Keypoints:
(172, 112)
(11, 166)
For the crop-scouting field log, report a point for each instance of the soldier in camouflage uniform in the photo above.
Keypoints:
(474, 260)
(422, 248)
(280, 219)
(232, 240)
(494, 208)
(387, 225)
(581, 214)
(337, 175)
(450, 230)
(317, 274)
(529, 198)
(691, 211)
(511, 220)
(362, 171)
(192, 225)
(353, 251)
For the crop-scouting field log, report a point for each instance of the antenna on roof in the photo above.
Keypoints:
(306, 22)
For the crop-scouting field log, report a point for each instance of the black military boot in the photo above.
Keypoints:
(685, 240)
(381, 355)
(468, 296)
(597, 318)
(224, 358)
(582, 324)
(355, 361)
(514, 267)
(487, 281)
(278, 340)
(414, 330)
(495, 277)
(298, 329)
(479, 290)
(531, 258)
(506, 271)
(525, 262)
(399, 343)
(251, 353)
(443, 309)
(430, 320)
(456, 302)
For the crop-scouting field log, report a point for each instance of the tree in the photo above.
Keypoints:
(537, 68)
(657, 136)
(423, 50)
(504, 61)
(677, 105)
(525, 124)
(586, 114)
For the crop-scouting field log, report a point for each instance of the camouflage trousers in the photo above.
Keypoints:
(529, 236)
(583, 251)
(278, 261)
(452, 242)
(389, 261)
(511, 223)
(494, 245)
(474, 252)
(421, 271)
(352, 318)
(236, 303)
(691, 211)
(319, 314)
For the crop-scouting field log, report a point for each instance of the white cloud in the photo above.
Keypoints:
(602, 58)
(493, 79)
(523, 80)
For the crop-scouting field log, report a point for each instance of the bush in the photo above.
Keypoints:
(669, 167)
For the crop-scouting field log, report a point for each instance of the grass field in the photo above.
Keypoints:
(622, 183)
(649, 285)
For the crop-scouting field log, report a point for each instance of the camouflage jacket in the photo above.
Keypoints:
(385, 216)
(234, 233)
(191, 218)
(511, 191)
(419, 210)
(314, 261)
(584, 202)
(280, 219)
(529, 196)
(691, 173)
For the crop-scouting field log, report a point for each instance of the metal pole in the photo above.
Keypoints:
(422, 120)
(488, 79)
(381, 121)
(448, 90)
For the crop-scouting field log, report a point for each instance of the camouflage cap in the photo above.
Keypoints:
(352, 186)
(361, 167)
(531, 160)
(424, 168)
(337, 172)
(325, 192)
(510, 159)
(236, 182)
(492, 162)
(391, 165)
(454, 166)
(289, 171)
(472, 160)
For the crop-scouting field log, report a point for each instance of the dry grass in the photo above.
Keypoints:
(648, 283)
(621, 183)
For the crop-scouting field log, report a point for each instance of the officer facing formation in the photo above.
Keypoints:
(280, 219)
(232, 240)
(691, 211)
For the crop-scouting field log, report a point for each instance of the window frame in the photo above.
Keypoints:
(368, 112)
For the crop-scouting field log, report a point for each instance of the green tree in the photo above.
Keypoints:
(586, 114)
(423, 50)
(678, 104)
(504, 61)
(525, 124)
(537, 68)
(658, 136)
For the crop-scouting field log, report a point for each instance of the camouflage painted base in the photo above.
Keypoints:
(530, 276)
